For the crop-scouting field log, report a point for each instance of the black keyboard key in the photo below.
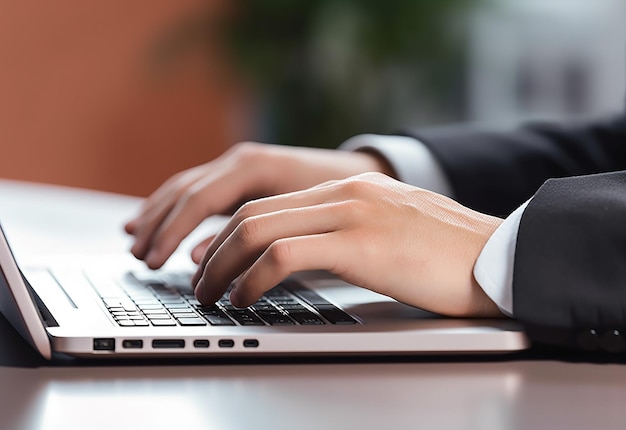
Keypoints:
(245, 317)
(294, 307)
(264, 307)
(335, 315)
(275, 318)
(284, 300)
(277, 292)
(306, 318)
(217, 318)
(311, 297)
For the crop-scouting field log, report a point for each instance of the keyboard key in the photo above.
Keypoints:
(275, 318)
(146, 277)
(158, 316)
(263, 307)
(294, 307)
(142, 323)
(112, 302)
(335, 315)
(191, 321)
(182, 312)
(217, 319)
(126, 323)
(163, 323)
(285, 300)
(178, 305)
(306, 318)
(157, 311)
(155, 304)
(311, 297)
(245, 317)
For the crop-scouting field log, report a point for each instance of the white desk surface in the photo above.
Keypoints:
(545, 391)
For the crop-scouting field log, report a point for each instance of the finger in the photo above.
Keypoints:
(130, 226)
(298, 199)
(156, 208)
(285, 257)
(255, 235)
(168, 192)
(209, 196)
(200, 249)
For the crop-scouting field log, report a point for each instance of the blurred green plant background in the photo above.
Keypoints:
(324, 70)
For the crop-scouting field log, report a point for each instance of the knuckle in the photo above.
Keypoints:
(356, 186)
(192, 198)
(247, 210)
(349, 187)
(244, 151)
(357, 209)
(374, 176)
(280, 253)
(247, 231)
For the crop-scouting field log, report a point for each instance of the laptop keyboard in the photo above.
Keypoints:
(167, 300)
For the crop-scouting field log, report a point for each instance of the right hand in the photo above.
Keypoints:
(245, 172)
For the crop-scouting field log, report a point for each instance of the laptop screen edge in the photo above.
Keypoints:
(17, 303)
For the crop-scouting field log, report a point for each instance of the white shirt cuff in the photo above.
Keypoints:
(494, 267)
(411, 160)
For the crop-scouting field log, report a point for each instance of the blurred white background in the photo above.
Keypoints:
(546, 59)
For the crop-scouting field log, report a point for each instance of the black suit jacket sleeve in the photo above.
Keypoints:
(569, 282)
(494, 172)
(569, 279)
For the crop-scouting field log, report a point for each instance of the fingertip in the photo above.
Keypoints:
(235, 298)
(138, 251)
(240, 297)
(196, 254)
(200, 293)
(154, 259)
(130, 226)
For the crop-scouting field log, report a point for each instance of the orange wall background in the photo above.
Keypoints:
(83, 103)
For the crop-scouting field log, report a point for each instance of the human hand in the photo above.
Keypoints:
(413, 245)
(245, 172)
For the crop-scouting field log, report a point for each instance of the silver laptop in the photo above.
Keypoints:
(117, 308)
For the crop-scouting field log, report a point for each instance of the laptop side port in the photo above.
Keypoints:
(201, 343)
(104, 344)
(226, 343)
(250, 343)
(132, 343)
(168, 343)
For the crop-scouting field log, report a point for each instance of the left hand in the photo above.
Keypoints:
(370, 230)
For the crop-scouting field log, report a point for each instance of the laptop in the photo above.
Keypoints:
(116, 308)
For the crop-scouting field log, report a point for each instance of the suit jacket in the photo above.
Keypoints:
(569, 282)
